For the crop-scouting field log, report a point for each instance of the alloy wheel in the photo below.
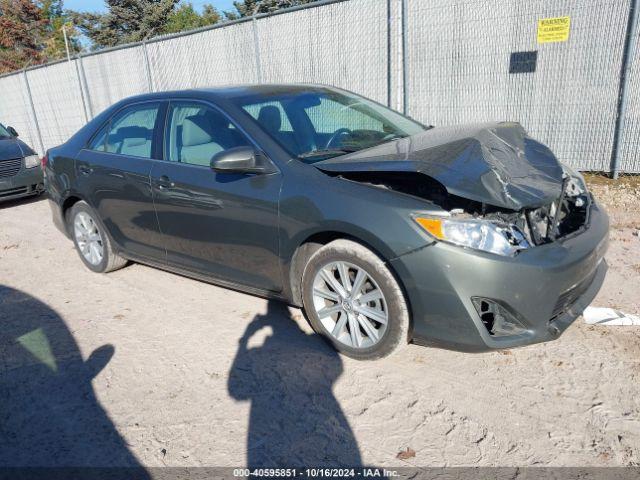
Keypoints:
(88, 238)
(350, 304)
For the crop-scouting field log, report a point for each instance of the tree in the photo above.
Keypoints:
(245, 8)
(58, 19)
(23, 30)
(210, 14)
(125, 21)
(185, 17)
(51, 8)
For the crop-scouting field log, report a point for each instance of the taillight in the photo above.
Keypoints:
(43, 161)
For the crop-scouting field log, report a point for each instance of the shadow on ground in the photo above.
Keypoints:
(22, 201)
(49, 415)
(295, 419)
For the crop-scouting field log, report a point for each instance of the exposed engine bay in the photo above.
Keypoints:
(501, 191)
(537, 226)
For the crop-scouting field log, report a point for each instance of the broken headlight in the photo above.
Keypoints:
(575, 186)
(478, 234)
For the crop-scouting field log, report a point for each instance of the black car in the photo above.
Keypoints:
(19, 175)
(385, 230)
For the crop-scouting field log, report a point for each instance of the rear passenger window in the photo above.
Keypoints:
(98, 141)
(130, 132)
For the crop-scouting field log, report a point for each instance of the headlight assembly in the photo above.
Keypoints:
(576, 184)
(31, 161)
(478, 234)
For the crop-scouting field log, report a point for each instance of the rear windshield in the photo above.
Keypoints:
(318, 123)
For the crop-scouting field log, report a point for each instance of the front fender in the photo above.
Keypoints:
(320, 207)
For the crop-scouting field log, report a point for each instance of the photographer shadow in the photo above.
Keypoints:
(295, 420)
(49, 414)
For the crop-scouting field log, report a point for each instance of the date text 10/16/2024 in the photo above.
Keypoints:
(315, 473)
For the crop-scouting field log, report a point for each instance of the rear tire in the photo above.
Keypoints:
(91, 240)
(366, 320)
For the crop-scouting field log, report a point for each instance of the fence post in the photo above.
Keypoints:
(83, 81)
(389, 63)
(630, 47)
(405, 61)
(147, 66)
(66, 46)
(84, 103)
(256, 46)
(33, 111)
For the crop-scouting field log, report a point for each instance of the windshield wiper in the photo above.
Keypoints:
(388, 139)
(392, 138)
(327, 152)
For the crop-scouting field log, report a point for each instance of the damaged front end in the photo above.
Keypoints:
(506, 232)
(513, 245)
(567, 215)
(485, 227)
(497, 190)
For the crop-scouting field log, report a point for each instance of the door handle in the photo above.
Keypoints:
(85, 169)
(164, 183)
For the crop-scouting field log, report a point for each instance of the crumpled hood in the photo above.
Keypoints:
(495, 163)
(11, 148)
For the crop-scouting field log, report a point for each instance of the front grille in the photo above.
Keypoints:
(568, 298)
(9, 168)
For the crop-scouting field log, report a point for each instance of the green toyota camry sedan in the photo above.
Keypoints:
(386, 231)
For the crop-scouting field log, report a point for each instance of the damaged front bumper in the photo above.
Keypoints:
(545, 288)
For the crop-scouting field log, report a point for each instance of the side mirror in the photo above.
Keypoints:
(241, 160)
(12, 131)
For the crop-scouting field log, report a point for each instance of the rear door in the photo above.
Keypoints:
(223, 225)
(113, 174)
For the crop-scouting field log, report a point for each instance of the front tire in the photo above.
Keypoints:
(352, 299)
(91, 240)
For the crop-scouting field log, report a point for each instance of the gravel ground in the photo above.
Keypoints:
(143, 367)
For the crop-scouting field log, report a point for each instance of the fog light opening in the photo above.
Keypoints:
(486, 315)
(498, 321)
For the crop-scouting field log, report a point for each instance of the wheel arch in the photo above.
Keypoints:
(70, 199)
(312, 242)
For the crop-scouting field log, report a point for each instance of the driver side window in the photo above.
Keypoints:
(196, 133)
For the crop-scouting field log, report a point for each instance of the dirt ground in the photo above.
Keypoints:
(142, 367)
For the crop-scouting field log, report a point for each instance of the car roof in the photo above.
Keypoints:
(231, 91)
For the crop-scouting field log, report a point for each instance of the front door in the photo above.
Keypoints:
(223, 225)
(113, 175)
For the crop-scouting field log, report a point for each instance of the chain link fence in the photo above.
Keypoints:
(459, 70)
(628, 146)
(442, 62)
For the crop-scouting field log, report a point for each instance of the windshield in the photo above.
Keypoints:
(318, 123)
(4, 132)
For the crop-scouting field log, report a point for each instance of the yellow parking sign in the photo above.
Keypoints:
(553, 29)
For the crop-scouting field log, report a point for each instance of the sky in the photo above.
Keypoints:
(99, 5)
